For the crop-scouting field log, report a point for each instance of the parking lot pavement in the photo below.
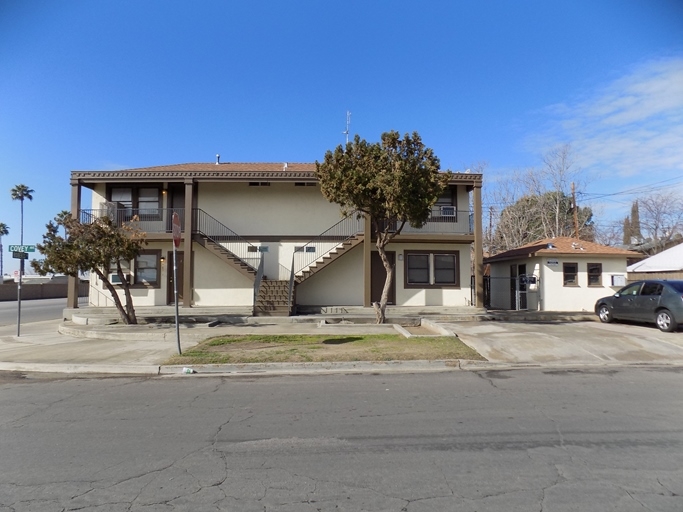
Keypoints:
(571, 343)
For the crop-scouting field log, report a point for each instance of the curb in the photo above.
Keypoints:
(329, 368)
(122, 369)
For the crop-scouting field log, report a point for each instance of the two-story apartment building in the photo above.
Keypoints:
(261, 235)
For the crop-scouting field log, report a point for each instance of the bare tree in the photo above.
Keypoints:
(536, 203)
(610, 234)
(661, 218)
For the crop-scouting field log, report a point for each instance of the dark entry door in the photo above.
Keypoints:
(521, 287)
(513, 287)
(176, 202)
(379, 275)
(169, 278)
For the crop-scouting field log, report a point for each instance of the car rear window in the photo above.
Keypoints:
(676, 285)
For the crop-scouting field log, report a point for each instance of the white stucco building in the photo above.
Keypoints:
(556, 274)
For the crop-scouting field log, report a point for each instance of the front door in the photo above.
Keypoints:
(169, 279)
(378, 276)
(176, 202)
(513, 286)
(521, 287)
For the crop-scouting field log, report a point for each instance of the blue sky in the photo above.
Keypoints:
(100, 85)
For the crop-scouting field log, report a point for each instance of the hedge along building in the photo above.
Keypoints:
(262, 236)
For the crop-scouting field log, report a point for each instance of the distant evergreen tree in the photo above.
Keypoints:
(627, 231)
(635, 222)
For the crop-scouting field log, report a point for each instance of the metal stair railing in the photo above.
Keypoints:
(327, 241)
(220, 234)
(257, 280)
(290, 292)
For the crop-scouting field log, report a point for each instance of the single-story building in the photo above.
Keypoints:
(555, 274)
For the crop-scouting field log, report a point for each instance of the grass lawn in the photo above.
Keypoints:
(320, 348)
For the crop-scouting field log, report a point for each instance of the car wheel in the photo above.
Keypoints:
(665, 321)
(605, 314)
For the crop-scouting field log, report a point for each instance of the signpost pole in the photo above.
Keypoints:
(176, 243)
(21, 273)
(21, 252)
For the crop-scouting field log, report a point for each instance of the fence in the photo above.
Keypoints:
(8, 291)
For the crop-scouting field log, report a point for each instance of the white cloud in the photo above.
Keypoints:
(628, 128)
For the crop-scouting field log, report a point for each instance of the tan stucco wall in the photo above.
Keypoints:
(437, 296)
(98, 196)
(100, 296)
(339, 284)
(218, 284)
(280, 209)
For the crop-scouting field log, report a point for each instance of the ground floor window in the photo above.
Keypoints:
(147, 268)
(570, 274)
(594, 274)
(113, 272)
(436, 269)
(144, 271)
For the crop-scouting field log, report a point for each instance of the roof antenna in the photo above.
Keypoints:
(348, 123)
(218, 159)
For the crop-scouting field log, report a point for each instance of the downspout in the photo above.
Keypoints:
(540, 285)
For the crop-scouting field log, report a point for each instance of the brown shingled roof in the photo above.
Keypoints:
(228, 167)
(228, 171)
(562, 246)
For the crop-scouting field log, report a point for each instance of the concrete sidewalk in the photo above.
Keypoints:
(575, 343)
(141, 349)
(63, 347)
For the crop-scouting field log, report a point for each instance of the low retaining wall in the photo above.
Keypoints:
(8, 291)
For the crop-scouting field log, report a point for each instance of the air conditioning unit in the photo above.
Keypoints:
(448, 211)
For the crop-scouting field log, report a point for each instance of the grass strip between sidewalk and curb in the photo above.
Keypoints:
(324, 348)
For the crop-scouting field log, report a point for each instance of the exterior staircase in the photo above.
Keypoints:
(218, 250)
(272, 298)
(328, 258)
(225, 243)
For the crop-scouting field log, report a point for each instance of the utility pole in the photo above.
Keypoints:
(576, 213)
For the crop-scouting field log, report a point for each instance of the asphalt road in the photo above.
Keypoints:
(522, 440)
(31, 311)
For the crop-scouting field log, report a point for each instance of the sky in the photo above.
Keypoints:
(116, 84)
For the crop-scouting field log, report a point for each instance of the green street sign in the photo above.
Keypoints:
(22, 248)
(18, 255)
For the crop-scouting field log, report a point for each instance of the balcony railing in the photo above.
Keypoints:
(444, 221)
(149, 220)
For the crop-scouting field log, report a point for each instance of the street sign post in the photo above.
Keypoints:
(177, 233)
(22, 248)
(20, 252)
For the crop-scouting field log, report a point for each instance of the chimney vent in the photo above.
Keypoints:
(218, 159)
(284, 166)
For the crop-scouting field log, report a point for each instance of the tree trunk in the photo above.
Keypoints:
(130, 310)
(380, 309)
(115, 297)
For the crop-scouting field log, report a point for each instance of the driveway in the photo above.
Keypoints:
(570, 343)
